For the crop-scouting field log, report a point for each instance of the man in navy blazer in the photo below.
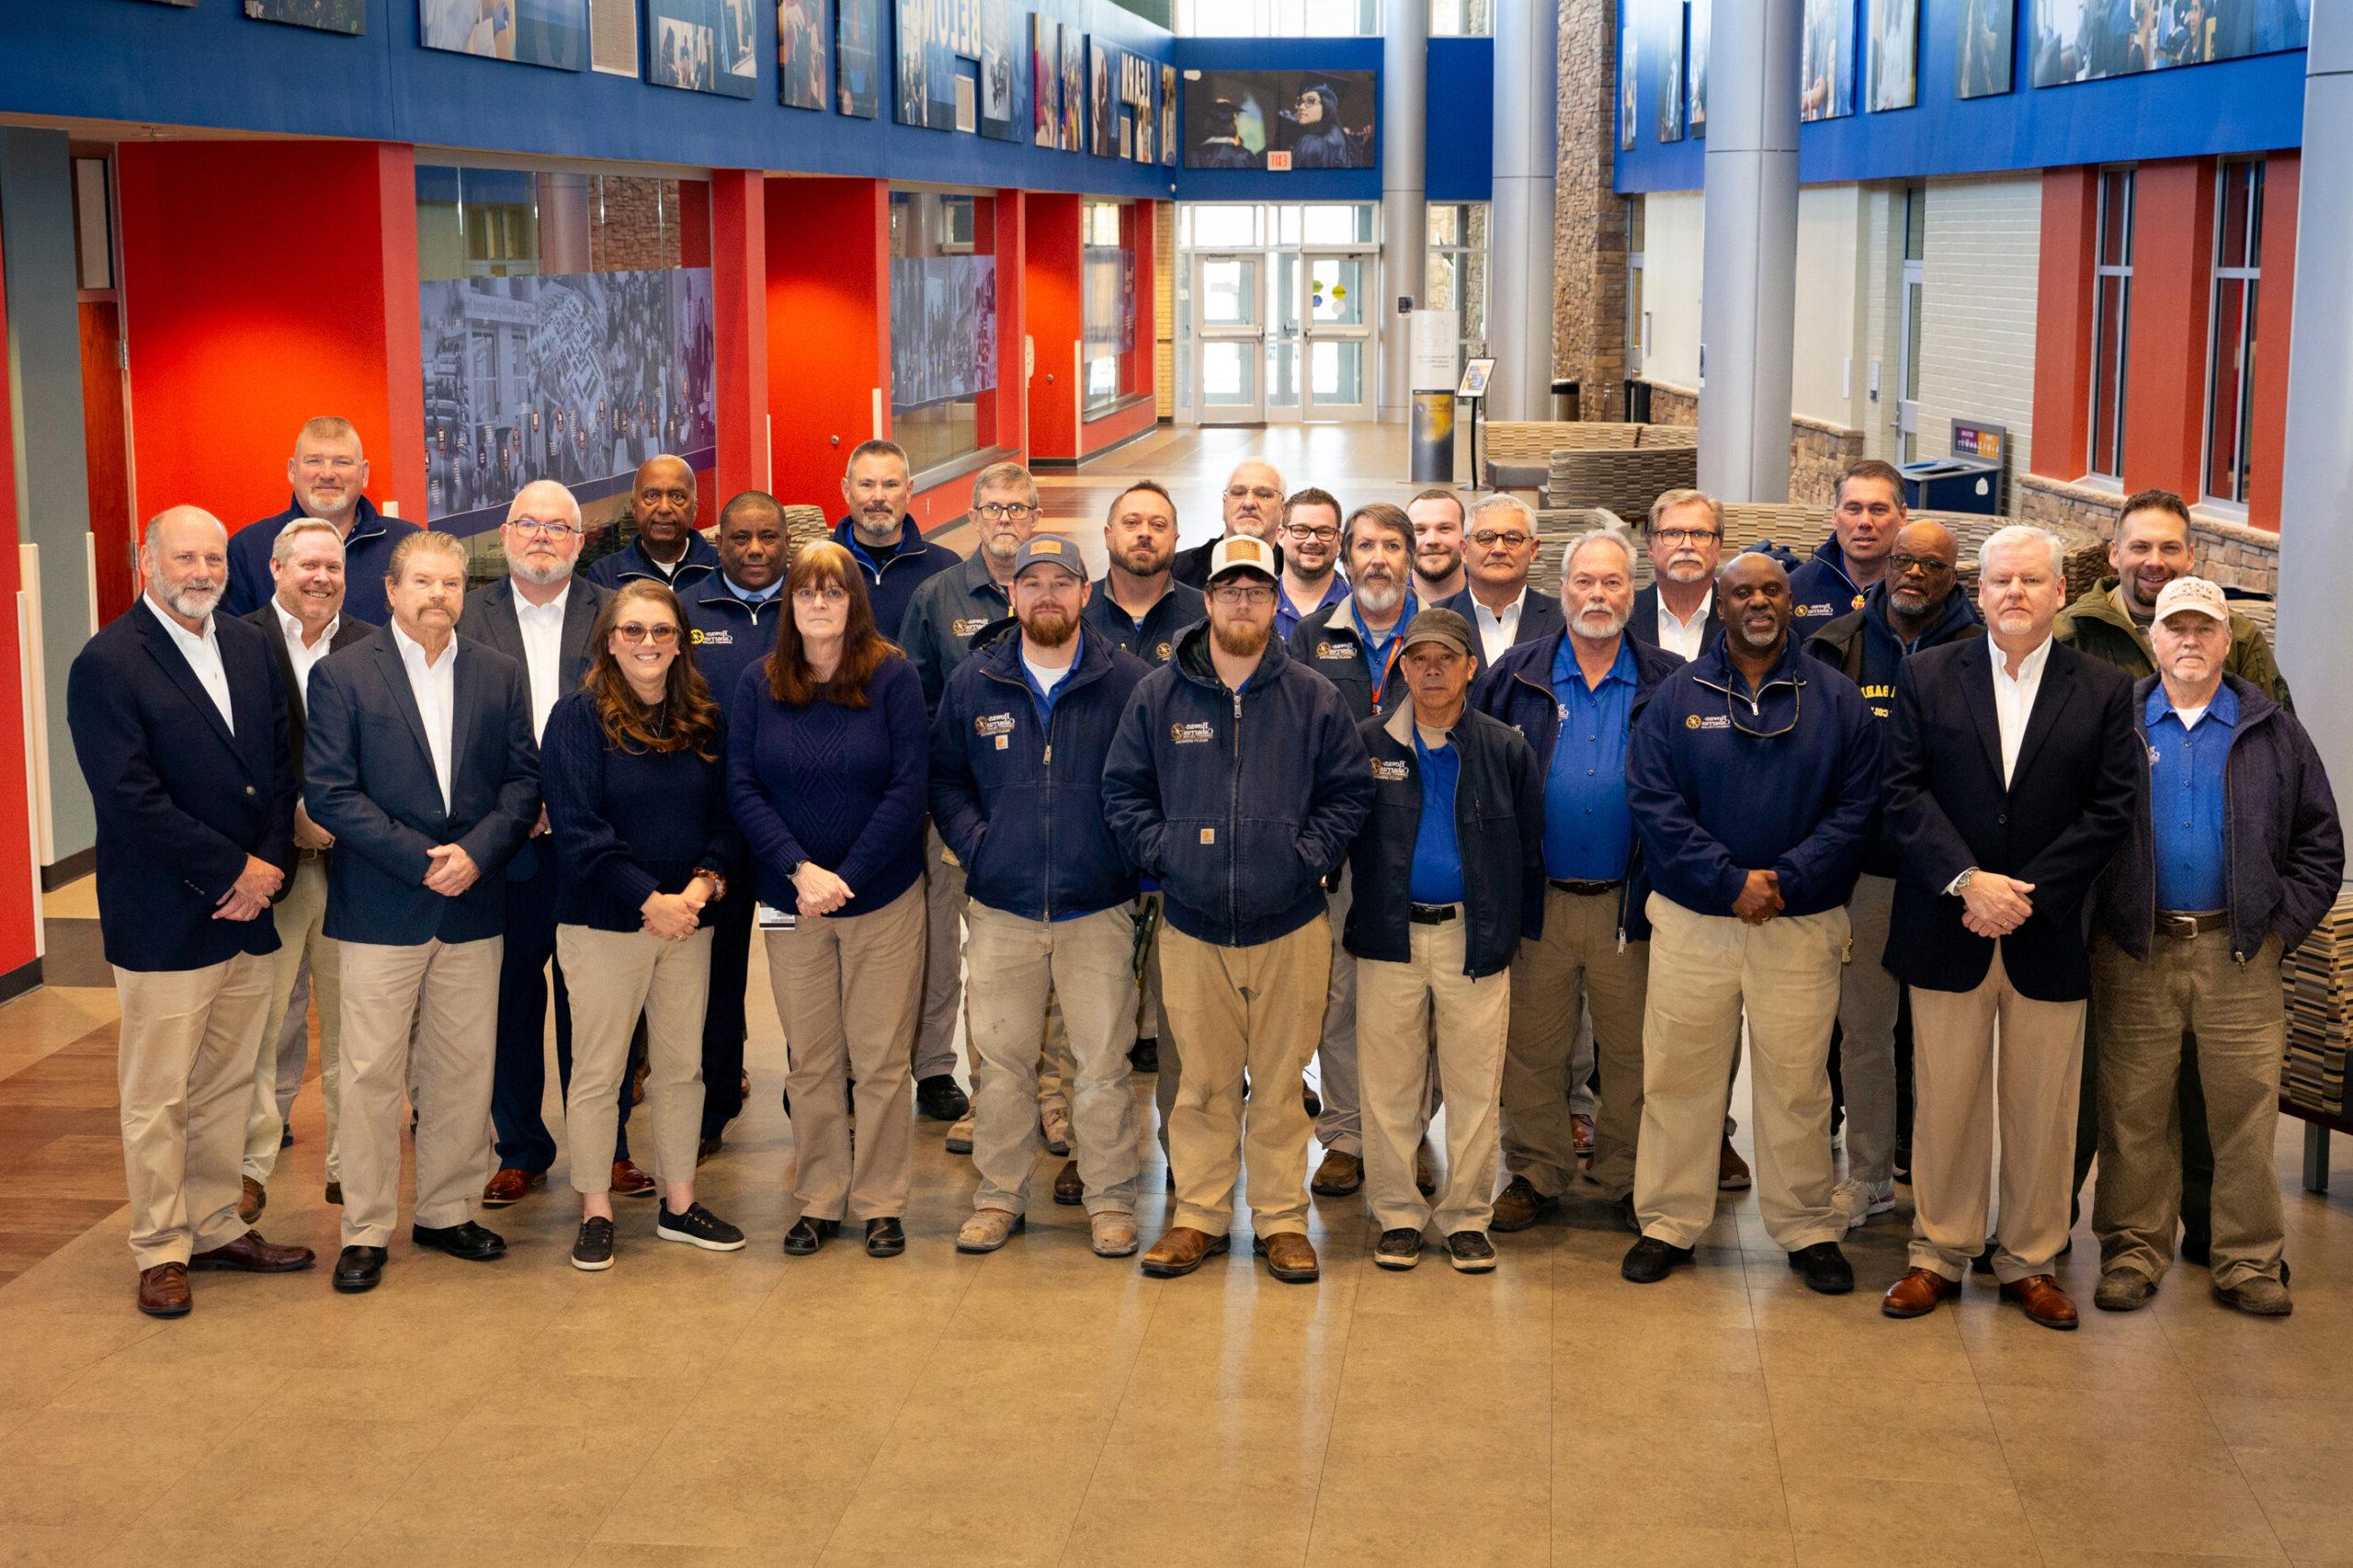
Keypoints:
(1685, 543)
(1496, 598)
(420, 761)
(2012, 778)
(542, 615)
(179, 725)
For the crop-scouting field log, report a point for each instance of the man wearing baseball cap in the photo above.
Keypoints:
(1237, 779)
(2194, 918)
(1017, 782)
(1450, 871)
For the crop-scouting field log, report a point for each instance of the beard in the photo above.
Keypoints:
(1001, 546)
(1380, 596)
(1757, 641)
(876, 528)
(195, 599)
(1600, 622)
(1437, 565)
(1145, 558)
(1049, 628)
(1241, 640)
(1911, 606)
(539, 573)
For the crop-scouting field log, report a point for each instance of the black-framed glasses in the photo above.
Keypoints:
(1927, 566)
(1797, 709)
(996, 510)
(1234, 596)
(1312, 536)
(1684, 536)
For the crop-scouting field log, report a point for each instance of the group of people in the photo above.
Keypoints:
(1341, 785)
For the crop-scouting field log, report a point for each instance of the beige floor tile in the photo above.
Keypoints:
(51, 1546)
(615, 1555)
(2247, 1422)
(378, 1547)
(1690, 1546)
(2158, 1413)
(102, 1499)
(1847, 1338)
(2066, 1555)
(1726, 1477)
(1883, 1430)
(715, 1498)
(2133, 1496)
(1395, 1492)
(1840, 1518)
(995, 1507)
(2304, 1495)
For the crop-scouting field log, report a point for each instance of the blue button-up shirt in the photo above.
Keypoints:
(2185, 800)
(1437, 876)
(1589, 832)
(1288, 615)
(1379, 652)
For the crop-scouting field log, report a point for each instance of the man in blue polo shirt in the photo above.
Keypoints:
(329, 473)
(1310, 537)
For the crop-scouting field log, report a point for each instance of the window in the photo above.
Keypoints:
(2111, 320)
(1283, 19)
(2238, 272)
(1461, 19)
(943, 326)
(1915, 317)
(1638, 320)
(1109, 301)
(1455, 276)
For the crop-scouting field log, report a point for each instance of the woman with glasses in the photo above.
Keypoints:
(633, 769)
(828, 769)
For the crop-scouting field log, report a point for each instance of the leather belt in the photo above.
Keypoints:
(1577, 888)
(1432, 914)
(2182, 927)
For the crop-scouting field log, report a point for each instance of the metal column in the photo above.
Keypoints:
(1405, 211)
(1519, 228)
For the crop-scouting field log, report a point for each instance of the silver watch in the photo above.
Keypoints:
(1960, 883)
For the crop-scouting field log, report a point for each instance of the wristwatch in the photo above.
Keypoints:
(718, 882)
(1960, 883)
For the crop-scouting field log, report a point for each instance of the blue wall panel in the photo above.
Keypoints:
(1462, 140)
(1277, 54)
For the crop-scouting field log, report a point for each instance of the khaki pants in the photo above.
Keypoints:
(1704, 970)
(934, 1041)
(2237, 1015)
(1166, 1082)
(1956, 1063)
(300, 917)
(449, 990)
(184, 1073)
(1089, 965)
(845, 997)
(613, 976)
(1868, 998)
(1250, 1008)
(1397, 1006)
(1576, 964)
(1341, 1125)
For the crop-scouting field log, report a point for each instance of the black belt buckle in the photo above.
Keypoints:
(1431, 913)
(1575, 888)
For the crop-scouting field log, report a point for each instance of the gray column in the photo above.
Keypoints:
(2316, 545)
(1748, 277)
(1519, 228)
(1404, 210)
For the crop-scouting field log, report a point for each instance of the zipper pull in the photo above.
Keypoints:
(1621, 938)
(1050, 753)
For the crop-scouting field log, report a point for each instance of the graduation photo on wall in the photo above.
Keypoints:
(553, 33)
(1310, 120)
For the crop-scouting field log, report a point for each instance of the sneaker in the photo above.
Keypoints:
(1114, 1232)
(697, 1227)
(591, 1251)
(1471, 1252)
(960, 1135)
(2123, 1290)
(988, 1230)
(1399, 1249)
(1055, 1122)
(1857, 1201)
(939, 1098)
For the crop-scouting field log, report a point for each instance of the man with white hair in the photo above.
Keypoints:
(180, 730)
(1253, 503)
(1685, 540)
(2013, 772)
(329, 476)
(1498, 550)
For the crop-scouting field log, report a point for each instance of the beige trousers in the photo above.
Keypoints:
(934, 1042)
(1397, 1003)
(613, 976)
(846, 994)
(1869, 999)
(1705, 970)
(1978, 1058)
(1253, 1008)
(2236, 1012)
(300, 917)
(449, 991)
(1576, 964)
(1340, 1126)
(1088, 964)
(184, 1073)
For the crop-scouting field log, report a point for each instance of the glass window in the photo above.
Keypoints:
(1109, 303)
(1220, 227)
(2238, 272)
(1455, 276)
(1283, 18)
(1344, 223)
(943, 326)
(1460, 19)
(2112, 321)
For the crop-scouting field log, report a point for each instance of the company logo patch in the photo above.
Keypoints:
(1802, 610)
(718, 638)
(965, 625)
(1196, 735)
(1389, 772)
(993, 725)
(1161, 651)
(1707, 722)
(1334, 650)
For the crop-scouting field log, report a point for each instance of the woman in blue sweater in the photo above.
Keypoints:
(828, 767)
(633, 768)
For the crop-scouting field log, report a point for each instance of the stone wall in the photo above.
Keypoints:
(1671, 404)
(1818, 449)
(1589, 218)
(2229, 553)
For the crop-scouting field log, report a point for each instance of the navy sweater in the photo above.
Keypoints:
(844, 786)
(628, 826)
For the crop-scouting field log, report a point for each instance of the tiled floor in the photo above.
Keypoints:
(1044, 1406)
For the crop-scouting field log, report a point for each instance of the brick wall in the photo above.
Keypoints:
(1589, 218)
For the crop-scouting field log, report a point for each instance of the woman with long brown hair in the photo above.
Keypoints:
(828, 767)
(633, 766)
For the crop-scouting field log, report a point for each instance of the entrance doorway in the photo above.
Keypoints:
(1277, 318)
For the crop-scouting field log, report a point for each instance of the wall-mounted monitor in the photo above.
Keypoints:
(1279, 120)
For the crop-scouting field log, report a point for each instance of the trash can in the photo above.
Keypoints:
(1953, 485)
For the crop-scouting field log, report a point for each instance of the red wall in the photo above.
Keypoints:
(20, 911)
(1053, 278)
(250, 310)
(739, 286)
(828, 328)
(2165, 401)
(2283, 173)
(2063, 356)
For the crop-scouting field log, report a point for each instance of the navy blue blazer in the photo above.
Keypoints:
(368, 779)
(181, 801)
(489, 618)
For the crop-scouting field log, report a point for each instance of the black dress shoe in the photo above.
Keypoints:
(1826, 1268)
(1650, 1260)
(807, 1235)
(884, 1238)
(468, 1241)
(1307, 1098)
(939, 1098)
(360, 1269)
(1144, 1056)
(1624, 1208)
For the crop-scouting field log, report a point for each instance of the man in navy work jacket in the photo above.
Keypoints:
(1450, 865)
(421, 763)
(878, 486)
(179, 725)
(666, 549)
(1237, 779)
(1865, 516)
(329, 473)
(2235, 855)
(1754, 779)
(1018, 753)
(1575, 697)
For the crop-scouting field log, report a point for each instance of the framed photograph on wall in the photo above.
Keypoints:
(1045, 81)
(2084, 40)
(326, 15)
(911, 41)
(1695, 71)
(1628, 83)
(1827, 61)
(1670, 77)
(553, 33)
(858, 58)
(1000, 82)
(701, 46)
(1894, 57)
(1168, 116)
(1983, 48)
(1074, 89)
(1098, 101)
(1278, 120)
(803, 55)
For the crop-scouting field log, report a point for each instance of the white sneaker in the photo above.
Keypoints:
(960, 1135)
(1857, 1201)
(1055, 1122)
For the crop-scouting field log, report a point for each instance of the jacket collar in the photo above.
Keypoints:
(2254, 704)
(909, 541)
(977, 580)
(1713, 666)
(1828, 553)
(367, 522)
(1955, 616)
(1000, 657)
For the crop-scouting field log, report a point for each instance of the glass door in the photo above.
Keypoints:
(1336, 314)
(1229, 338)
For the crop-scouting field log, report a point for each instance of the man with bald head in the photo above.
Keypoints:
(329, 476)
(179, 725)
(666, 549)
(1253, 504)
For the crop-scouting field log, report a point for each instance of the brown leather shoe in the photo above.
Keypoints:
(1519, 1205)
(1425, 1170)
(163, 1290)
(1068, 1188)
(1916, 1294)
(250, 1255)
(509, 1185)
(1338, 1175)
(251, 1200)
(1181, 1250)
(1732, 1171)
(2040, 1297)
(1581, 1134)
(628, 1181)
(1291, 1257)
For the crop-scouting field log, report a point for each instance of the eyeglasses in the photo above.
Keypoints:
(1797, 708)
(831, 593)
(1488, 539)
(1927, 566)
(1235, 596)
(661, 636)
(1684, 536)
(533, 527)
(1251, 492)
(1312, 536)
(1010, 510)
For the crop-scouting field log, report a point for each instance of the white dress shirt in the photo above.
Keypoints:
(2014, 700)
(434, 683)
(303, 659)
(202, 652)
(1496, 632)
(542, 628)
(1685, 637)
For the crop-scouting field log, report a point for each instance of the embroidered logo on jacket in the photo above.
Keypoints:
(1193, 735)
(1389, 772)
(965, 625)
(993, 725)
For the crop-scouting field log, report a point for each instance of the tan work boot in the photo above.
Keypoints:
(988, 1230)
(252, 1201)
(1338, 1175)
(1519, 1205)
(1181, 1250)
(1291, 1257)
(1115, 1232)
